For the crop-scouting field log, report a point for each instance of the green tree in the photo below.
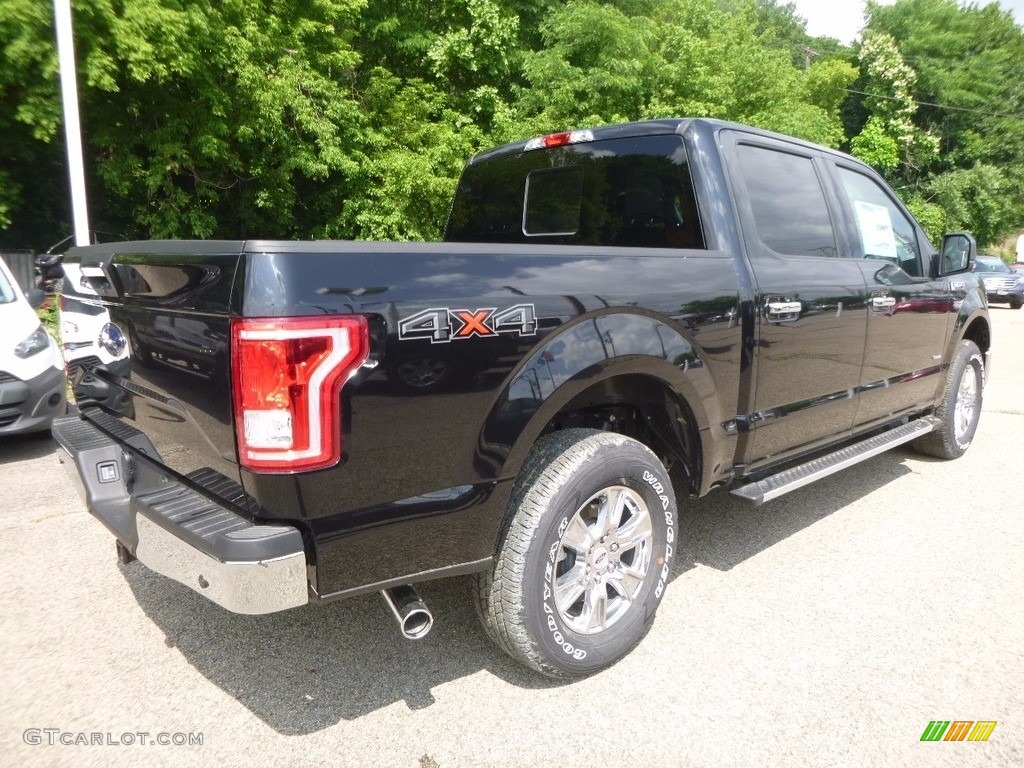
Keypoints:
(975, 199)
(199, 120)
(890, 139)
(688, 58)
(404, 180)
(970, 93)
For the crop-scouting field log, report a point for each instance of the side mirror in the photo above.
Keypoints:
(958, 252)
(35, 297)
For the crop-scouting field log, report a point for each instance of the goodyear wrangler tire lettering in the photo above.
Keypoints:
(586, 554)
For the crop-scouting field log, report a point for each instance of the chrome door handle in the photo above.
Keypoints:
(883, 302)
(780, 311)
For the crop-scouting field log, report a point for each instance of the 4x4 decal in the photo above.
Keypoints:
(443, 324)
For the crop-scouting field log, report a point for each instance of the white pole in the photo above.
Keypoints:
(72, 126)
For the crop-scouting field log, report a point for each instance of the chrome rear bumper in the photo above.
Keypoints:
(177, 532)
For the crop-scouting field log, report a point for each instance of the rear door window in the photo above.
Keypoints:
(787, 201)
(6, 291)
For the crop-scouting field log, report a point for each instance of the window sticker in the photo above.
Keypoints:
(876, 231)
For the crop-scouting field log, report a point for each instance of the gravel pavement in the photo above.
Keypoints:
(826, 628)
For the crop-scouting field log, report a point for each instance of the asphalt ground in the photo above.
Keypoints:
(826, 628)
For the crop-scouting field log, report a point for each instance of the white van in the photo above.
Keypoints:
(32, 388)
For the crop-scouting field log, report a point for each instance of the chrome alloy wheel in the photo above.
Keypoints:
(603, 557)
(966, 402)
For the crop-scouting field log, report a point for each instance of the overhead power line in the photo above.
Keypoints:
(938, 106)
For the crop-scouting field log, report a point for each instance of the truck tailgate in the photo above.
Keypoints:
(171, 303)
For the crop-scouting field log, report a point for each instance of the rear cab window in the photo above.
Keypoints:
(632, 192)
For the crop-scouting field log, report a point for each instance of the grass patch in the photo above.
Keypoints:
(49, 315)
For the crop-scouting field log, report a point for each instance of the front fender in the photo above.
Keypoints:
(972, 322)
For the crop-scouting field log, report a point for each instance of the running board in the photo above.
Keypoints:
(776, 485)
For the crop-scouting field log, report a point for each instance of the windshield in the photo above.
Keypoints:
(6, 291)
(990, 264)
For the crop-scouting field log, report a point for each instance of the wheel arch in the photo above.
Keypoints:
(645, 408)
(979, 331)
(598, 372)
(972, 323)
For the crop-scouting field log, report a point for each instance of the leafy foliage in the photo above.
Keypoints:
(890, 138)
(353, 118)
(968, 83)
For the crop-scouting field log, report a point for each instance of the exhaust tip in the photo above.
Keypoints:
(414, 618)
(417, 624)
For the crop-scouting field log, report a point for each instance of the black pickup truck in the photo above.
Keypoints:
(619, 319)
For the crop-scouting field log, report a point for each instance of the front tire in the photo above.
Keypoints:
(585, 555)
(960, 408)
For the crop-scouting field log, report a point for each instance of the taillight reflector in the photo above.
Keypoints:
(287, 375)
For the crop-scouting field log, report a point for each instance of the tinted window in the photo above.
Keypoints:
(623, 192)
(787, 201)
(553, 198)
(6, 291)
(885, 232)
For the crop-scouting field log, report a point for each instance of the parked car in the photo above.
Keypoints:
(49, 272)
(32, 383)
(1002, 284)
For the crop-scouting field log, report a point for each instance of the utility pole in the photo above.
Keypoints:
(809, 53)
(72, 125)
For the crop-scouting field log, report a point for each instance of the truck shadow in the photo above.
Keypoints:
(720, 531)
(305, 670)
(35, 445)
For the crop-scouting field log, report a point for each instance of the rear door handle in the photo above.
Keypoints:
(883, 302)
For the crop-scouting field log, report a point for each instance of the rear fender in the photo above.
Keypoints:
(583, 356)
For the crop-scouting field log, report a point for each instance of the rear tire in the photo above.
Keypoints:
(960, 408)
(585, 554)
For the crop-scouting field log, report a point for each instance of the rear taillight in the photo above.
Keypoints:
(287, 376)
